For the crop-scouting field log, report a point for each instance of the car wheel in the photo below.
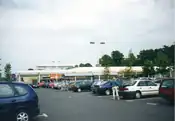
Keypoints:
(138, 95)
(107, 92)
(22, 115)
(79, 90)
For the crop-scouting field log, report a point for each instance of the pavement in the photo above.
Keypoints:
(59, 105)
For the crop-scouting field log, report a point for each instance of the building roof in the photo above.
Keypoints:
(56, 64)
(80, 71)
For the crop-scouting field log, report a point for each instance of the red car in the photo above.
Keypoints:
(41, 84)
(51, 85)
(166, 89)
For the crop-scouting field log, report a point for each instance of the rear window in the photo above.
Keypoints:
(6, 91)
(129, 83)
(21, 90)
(168, 83)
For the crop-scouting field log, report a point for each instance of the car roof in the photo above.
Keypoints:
(142, 80)
(12, 82)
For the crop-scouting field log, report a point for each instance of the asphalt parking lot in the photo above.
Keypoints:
(58, 105)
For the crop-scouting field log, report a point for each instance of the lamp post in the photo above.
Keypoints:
(101, 43)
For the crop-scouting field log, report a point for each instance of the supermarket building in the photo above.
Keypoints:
(52, 71)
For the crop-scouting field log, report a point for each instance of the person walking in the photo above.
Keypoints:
(115, 89)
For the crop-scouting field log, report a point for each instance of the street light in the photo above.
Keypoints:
(101, 43)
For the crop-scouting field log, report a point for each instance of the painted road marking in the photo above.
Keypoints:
(151, 103)
(99, 96)
(43, 115)
(129, 100)
(153, 98)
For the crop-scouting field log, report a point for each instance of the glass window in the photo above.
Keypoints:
(168, 83)
(21, 90)
(158, 81)
(141, 83)
(6, 91)
(149, 83)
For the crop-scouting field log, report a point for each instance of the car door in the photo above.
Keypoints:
(153, 89)
(7, 101)
(167, 88)
(142, 87)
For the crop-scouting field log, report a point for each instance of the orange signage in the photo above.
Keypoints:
(55, 76)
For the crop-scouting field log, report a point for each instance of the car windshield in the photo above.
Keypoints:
(129, 83)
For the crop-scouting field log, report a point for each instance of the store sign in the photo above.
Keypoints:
(55, 76)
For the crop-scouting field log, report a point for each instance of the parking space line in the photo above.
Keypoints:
(129, 100)
(99, 96)
(152, 104)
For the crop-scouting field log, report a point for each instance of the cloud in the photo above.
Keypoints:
(39, 31)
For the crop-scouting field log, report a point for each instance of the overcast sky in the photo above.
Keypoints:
(35, 32)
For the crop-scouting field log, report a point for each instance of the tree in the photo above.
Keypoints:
(106, 60)
(146, 55)
(127, 72)
(117, 58)
(162, 61)
(130, 61)
(106, 73)
(85, 65)
(148, 68)
(7, 72)
(30, 69)
(81, 65)
(76, 65)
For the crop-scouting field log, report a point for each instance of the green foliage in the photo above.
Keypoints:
(7, 72)
(148, 68)
(85, 65)
(76, 65)
(130, 61)
(106, 60)
(162, 61)
(117, 58)
(106, 73)
(128, 73)
(163, 58)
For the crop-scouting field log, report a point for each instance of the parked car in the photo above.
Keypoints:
(55, 86)
(105, 87)
(18, 102)
(158, 81)
(59, 85)
(138, 88)
(166, 89)
(81, 86)
(71, 84)
(46, 84)
(51, 85)
(34, 85)
(41, 84)
(94, 85)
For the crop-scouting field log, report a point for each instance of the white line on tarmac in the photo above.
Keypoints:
(149, 98)
(43, 115)
(151, 103)
(99, 96)
(129, 100)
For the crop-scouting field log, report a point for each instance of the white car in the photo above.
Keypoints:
(139, 88)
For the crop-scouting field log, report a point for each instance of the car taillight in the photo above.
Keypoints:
(123, 89)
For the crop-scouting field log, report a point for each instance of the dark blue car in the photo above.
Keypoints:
(105, 87)
(18, 102)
